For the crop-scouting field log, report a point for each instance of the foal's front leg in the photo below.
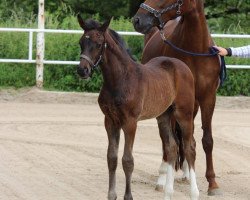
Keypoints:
(127, 160)
(113, 132)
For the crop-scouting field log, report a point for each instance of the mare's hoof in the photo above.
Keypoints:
(214, 192)
(159, 188)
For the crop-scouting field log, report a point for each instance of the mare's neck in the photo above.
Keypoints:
(193, 27)
(117, 63)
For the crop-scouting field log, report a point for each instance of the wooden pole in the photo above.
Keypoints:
(40, 45)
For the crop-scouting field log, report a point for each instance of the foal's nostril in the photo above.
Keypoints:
(83, 72)
(86, 70)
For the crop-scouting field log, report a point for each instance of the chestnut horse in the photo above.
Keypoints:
(162, 88)
(188, 32)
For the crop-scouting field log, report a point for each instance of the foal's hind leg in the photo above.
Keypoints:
(113, 132)
(207, 109)
(185, 167)
(184, 117)
(164, 125)
(170, 150)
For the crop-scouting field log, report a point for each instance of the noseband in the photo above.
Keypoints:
(158, 13)
(94, 65)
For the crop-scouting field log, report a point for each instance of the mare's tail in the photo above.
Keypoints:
(179, 141)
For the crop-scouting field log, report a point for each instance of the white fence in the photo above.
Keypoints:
(32, 31)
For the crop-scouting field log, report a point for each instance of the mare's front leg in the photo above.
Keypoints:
(129, 129)
(207, 108)
(113, 131)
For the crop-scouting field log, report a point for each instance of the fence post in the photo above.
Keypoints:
(40, 45)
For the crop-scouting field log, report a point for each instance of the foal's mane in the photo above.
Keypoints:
(92, 24)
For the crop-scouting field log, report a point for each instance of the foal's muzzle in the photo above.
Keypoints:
(83, 72)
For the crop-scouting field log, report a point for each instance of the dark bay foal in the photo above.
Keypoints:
(163, 88)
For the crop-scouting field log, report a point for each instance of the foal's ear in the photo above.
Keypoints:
(81, 22)
(105, 25)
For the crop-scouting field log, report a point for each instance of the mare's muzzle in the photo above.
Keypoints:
(143, 22)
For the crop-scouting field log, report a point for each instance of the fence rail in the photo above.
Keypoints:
(32, 31)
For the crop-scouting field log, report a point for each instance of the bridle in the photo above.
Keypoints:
(94, 65)
(158, 13)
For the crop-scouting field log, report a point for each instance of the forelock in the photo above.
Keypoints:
(91, 24)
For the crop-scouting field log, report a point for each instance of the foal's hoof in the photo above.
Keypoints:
(112, 196)
(159, 188)
(214, 192)
(128, 197)
(184, 181)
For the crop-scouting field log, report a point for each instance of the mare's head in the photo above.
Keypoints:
(92, 45)
(158, 12)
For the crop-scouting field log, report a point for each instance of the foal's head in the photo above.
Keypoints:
(158, 12)
(92, 45)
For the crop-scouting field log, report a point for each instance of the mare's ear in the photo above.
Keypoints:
(81, 22)
(105, 25)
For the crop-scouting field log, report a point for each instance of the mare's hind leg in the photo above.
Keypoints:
(170, 150)
(113, 132)
(129, 129)
(207, 109)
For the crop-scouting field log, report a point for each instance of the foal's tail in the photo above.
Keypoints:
(179, 141)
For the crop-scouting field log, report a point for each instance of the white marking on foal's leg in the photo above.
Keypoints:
(169, 187)
(193, 184)
(185, 170)
(162, 176)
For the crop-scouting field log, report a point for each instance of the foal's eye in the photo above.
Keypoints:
(99, 46)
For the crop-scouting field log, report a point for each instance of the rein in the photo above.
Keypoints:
(214, 51)
(92, 64)
(158, 13)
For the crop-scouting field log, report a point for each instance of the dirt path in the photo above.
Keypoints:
(53, 146)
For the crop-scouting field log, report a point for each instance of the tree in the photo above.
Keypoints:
(103, 7)
(228, 13)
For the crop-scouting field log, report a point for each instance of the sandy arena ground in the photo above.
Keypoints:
(53, 147)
